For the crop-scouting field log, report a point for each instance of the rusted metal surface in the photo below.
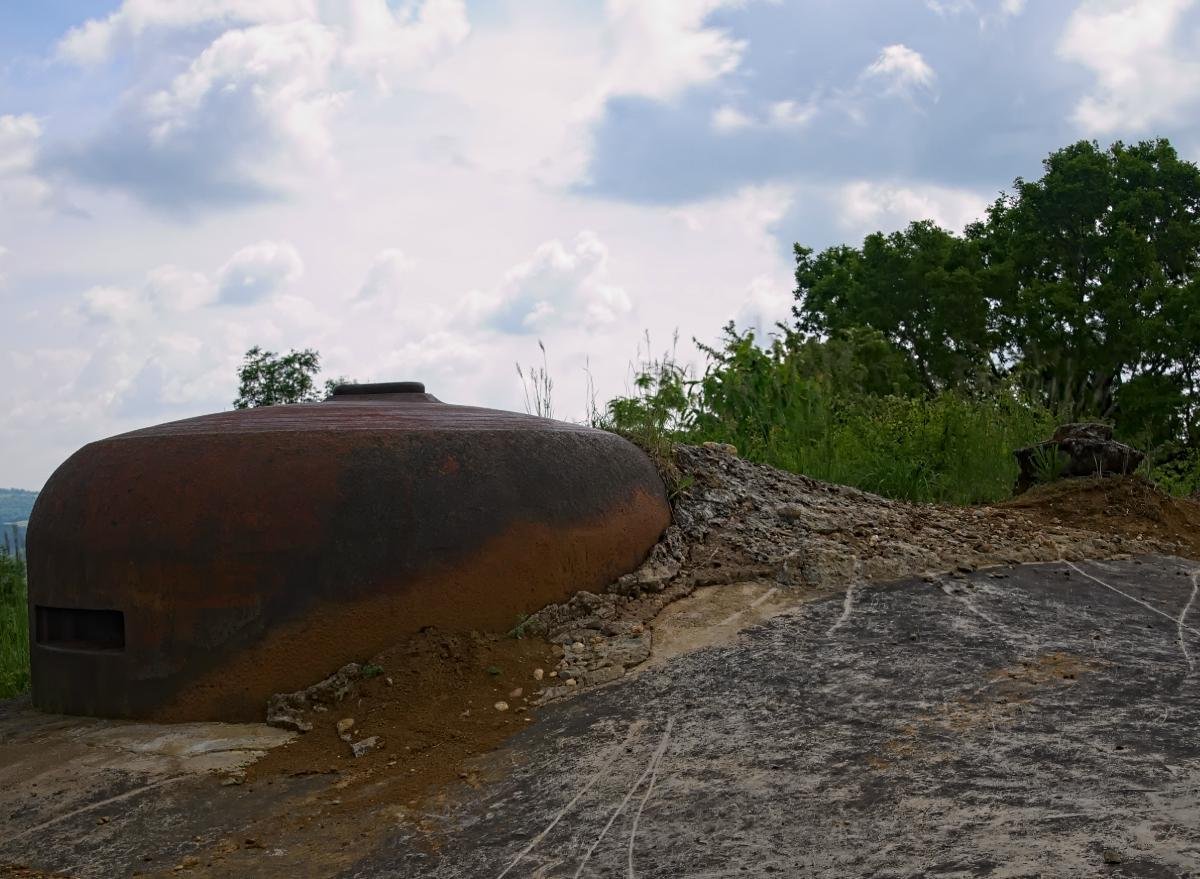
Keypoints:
(190, 570)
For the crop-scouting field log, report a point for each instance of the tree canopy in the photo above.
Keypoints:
(1081, 287)
(269, 379)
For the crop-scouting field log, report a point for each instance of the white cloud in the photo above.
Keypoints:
(790, 114)
(902, 69)
(169, 288)
(385, 277)
(271, 76)
(385, 44)
(258, 271)
(664, 48)
(111, 303)
(250, 117)
(768, 301)
(166, 291)
(727, 118)
(20, 185)
(98, 40)
(565, 75)
(1145, 60)
(557, 286)
(779, 115)
(867, 206)
(987, 12)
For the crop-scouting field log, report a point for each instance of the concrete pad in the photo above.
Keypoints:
(1019, 722)
(1038, 720)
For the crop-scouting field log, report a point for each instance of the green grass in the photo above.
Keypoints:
(798, 410)
(14, 628)
(944, 449)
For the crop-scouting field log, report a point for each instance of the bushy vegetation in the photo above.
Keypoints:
(832, 409)
(14, 627)
(918, 361)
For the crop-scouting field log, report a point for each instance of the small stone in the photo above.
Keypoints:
(389, 681)
(1112, 856)
(517, 693)
(578, 647)
(501, 706)
(538, 674)
(553, 674)
(230, 780)
(345, 725)
(570, 682)
(636, 629)
(366, 746)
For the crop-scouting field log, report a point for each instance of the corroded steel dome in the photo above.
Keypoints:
(189, 571)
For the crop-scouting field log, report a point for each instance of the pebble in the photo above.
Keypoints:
(1112, 856)
(570, 682)
(517, 693)
(578, 647)
(553, 674)
(345, 725)
(366, 746)
(501, 706)
(538, 674)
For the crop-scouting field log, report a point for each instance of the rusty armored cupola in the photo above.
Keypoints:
(190, 570)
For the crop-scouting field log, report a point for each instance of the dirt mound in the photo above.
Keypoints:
(1117, 505)
(422, 710)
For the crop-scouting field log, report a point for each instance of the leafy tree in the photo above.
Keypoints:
(1083, 286)
(1095, 268)
(919, 288)
(269, 379)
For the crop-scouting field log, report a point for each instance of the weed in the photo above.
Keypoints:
(14, 627)
(538, 387)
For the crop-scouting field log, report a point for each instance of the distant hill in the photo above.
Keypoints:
(15, 504)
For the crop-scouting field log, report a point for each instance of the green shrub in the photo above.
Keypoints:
(14, 627)
(842, 410)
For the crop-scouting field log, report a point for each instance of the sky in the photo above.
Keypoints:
(425, 189)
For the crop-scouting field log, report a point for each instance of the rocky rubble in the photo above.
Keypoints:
(736, 521)
(287, 710)
(1086, 449)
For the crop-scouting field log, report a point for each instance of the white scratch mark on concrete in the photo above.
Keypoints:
(755, 603)
(848, 601)
(1181, 622)
(118, 798)
(654, 758)
(605, 765)
(662, 747)
(1133, 598)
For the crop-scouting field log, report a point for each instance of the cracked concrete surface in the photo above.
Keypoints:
(1018, 722)
(1034, 720)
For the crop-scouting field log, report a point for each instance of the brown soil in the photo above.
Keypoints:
(1129, 506)
(432, 704)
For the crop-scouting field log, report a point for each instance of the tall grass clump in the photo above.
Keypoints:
(14, 627)
(845, 410)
